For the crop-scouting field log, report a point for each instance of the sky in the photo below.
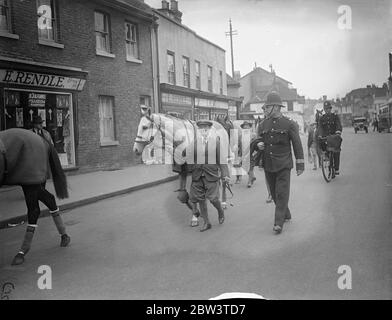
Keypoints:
(310, 43)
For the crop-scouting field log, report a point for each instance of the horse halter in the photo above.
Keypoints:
(158, 126)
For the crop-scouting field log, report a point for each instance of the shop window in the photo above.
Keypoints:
(197, 75)
(47, 28)
(106, 119)
(171, 68)
(202, 114)
(131, 41)
(185, 72)
(20, 108)
(102, 34)
(209, 77)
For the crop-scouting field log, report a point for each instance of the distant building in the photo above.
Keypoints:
(235, 104)
(256, 85)
(361, 100)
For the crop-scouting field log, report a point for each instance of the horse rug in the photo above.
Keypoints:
(26, 155)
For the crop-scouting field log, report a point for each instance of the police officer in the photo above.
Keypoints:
(329, 124)
(278, 133)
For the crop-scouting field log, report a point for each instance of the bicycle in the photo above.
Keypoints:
(327, 160)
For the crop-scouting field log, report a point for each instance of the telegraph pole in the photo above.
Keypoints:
(231, 33)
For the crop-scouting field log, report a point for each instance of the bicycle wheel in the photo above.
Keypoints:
(325, 166)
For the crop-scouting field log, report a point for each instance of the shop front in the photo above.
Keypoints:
(192, 104)
(25, 94)
(209, 109)
(177, 105)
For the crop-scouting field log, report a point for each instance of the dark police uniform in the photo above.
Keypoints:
(329, 124)
(278, 134)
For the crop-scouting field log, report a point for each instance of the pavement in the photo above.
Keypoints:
(84, 189)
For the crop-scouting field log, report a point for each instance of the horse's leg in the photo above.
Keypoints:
(49, 200)
(195, 216)
(204, 215)
(183, 197)
(224, 196)
(269, 199)
(33, 212)
(217, 204)
(251, 176)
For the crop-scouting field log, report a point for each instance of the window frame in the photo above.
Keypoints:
(221, 82)
(7, 8)
(104, 141)
(145, 98)
(55, 27)
(186, 76)
(209, 78)
(169, 72)
(197, 75)
(108, 38)
(131, 41)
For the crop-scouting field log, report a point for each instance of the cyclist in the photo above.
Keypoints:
(329, 124)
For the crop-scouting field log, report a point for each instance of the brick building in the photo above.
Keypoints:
(84, 66)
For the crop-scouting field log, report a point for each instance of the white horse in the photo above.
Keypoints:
(171, 137)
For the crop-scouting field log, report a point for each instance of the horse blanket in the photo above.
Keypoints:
(26, 155)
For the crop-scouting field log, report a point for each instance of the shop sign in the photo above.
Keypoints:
(41, 80)
(37, 100)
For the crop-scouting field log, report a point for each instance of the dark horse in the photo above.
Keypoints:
(25, 159)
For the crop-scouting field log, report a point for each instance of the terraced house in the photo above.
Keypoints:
(192, 69)
(84, 66)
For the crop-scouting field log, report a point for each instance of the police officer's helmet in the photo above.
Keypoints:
(273, 99)
(327, 105)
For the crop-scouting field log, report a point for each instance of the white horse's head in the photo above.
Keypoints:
(145, 131)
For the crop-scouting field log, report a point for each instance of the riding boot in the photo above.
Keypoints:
(204, 215)
(28, 238)
(58, 221)
(221, 213)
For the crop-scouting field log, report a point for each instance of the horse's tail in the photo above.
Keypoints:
(58, 176)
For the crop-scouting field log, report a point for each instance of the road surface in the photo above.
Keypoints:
(139, 246)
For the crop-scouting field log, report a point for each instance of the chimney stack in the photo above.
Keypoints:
(173, 5)
(165, 5)
(171, 12)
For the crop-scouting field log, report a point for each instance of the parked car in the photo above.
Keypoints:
(360, 123)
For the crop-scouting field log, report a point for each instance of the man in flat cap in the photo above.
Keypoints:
(278, 134)
(38, 129)
(206, 175)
